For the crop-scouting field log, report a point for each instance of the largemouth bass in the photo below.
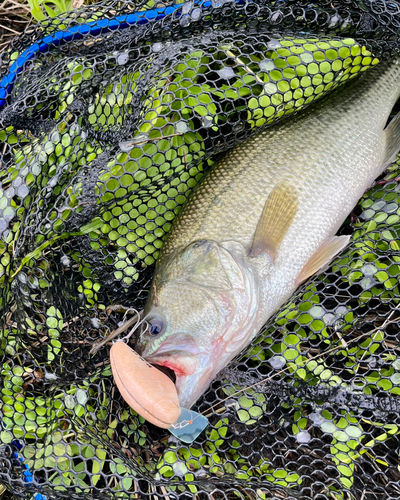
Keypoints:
(261, 222)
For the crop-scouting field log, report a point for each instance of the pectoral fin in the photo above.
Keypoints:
(392, 133)
(325, 253)
(276, 218)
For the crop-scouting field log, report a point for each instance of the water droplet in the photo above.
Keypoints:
(118, 88)
(395, 378)
(390, 207)
(8, 213)
(367, 214)
(65, 261)
(185, 21)
(95, 323)
(53, 181)
(270, 88)
(274, 44)
(267, 65)
(122, 58)
(317, 311)
(9, 193)
(396, 364)
(333, 21)
(81, 396)
(70, 401)
(328, 427)
(341, 311)
(277, 362)
(187, 7)
(368, 270)
(17, 181)
(316, 418)
(23, 191)
(303, 437)
(206, 121)
(196, 14)
(55, 137)
(157, 47)
(75, 129)
(367, 283)
(181, 127)
(378, 205)
(22, 278)
(226, 73)
(180, 469)
(329, 319)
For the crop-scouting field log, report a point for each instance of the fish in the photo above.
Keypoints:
(262, 221)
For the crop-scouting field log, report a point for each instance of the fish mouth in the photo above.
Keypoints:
(175, 358)
(185, 364)
(190, 373)
(167, 371)
(181, 363)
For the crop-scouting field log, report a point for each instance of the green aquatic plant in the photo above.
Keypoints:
(52, 8)
(138, 192)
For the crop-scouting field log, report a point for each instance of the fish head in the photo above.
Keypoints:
(197, 314)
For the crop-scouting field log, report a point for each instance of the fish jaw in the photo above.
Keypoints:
(183, 363)
(193, 373)
(193, 368)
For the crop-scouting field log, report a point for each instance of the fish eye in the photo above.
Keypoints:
(156, 325)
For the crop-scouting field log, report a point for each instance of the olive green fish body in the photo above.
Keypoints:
(261, 222)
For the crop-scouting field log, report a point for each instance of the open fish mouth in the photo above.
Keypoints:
(167, 371)
(175, 361)
(181, 363)
(185, 363)
(190, 373)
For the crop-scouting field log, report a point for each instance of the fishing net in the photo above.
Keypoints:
(109, 117)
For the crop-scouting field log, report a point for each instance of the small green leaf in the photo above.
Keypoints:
(92, 226)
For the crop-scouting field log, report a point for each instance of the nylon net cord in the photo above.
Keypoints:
(109, 117)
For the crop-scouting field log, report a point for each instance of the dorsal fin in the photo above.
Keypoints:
(276, 218)
(325, 253)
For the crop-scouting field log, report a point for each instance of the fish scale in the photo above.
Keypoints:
(270, 208)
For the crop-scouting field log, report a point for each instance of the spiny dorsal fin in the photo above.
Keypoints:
(276, 218)
(325, 253)
(392, 132)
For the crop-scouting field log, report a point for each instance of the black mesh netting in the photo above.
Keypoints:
(103, 136)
